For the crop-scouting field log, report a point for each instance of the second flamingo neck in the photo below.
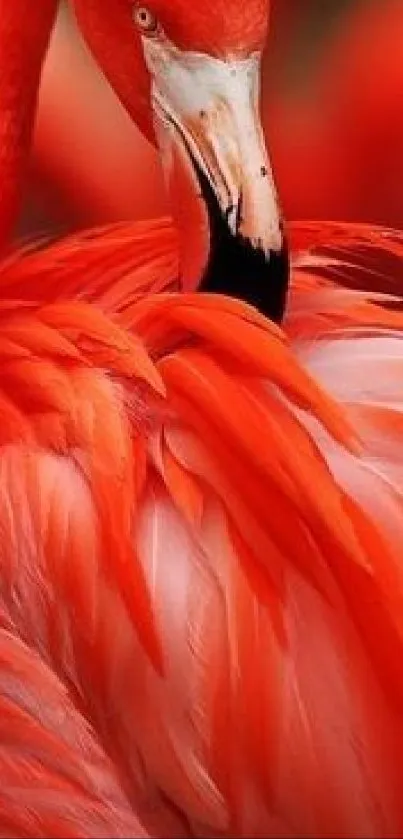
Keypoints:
(24, 34)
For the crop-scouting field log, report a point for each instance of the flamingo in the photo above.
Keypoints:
(318, 125)
(201, 581)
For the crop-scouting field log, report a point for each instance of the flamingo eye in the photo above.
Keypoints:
(145, 20)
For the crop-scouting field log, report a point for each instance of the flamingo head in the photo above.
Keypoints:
(189, 74)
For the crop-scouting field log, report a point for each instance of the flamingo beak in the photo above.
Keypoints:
(209, 109)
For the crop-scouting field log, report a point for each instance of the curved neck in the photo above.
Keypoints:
(25, 28)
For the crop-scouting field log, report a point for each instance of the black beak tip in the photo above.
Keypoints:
(240, 269)
(268, 282)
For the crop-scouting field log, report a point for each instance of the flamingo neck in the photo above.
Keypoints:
(25, 28)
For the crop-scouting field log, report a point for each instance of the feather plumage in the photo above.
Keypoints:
(273, 575)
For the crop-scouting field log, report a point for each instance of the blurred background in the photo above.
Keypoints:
(332, 111)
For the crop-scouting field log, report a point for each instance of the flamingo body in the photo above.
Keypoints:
(201, 582)
(227, 577)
